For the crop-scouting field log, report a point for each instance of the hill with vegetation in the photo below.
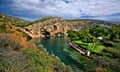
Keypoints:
(104, 45)
(51, 26)
(18, 54)
(13, 20)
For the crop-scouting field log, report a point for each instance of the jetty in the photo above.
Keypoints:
(79, 49)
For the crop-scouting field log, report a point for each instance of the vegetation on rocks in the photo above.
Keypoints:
(14, 21)
(103, 42)
(19, 55)
(42, 20)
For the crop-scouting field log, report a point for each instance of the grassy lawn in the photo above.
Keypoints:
(97, 48)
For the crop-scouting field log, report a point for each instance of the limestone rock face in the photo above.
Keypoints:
(56, 25)
(51, 27)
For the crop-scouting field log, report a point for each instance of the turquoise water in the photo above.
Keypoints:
(59, 47)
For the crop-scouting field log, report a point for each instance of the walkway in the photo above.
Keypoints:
(81, 50)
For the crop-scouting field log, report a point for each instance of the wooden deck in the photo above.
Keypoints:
(79, 49)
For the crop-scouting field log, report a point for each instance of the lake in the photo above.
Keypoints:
(58, 46)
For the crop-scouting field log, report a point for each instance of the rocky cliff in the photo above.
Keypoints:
(49, 25)
(54, 26)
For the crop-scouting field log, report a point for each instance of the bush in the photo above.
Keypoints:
(2, 28)
(13, 41)
(40, 61)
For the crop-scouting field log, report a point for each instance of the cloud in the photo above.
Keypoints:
(68, 8)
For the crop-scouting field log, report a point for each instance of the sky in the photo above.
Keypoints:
(108, 10)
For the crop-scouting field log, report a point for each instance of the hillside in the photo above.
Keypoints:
(17, 54)
(13, 20)
(54, 25)
(103, 43)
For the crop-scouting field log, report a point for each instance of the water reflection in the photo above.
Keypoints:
(59, 47)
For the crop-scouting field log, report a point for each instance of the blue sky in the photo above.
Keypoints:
(68, 9)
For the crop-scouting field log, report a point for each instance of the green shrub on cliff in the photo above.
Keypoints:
(18, 55)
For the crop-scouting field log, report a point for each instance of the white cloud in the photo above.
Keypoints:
(68, 8)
